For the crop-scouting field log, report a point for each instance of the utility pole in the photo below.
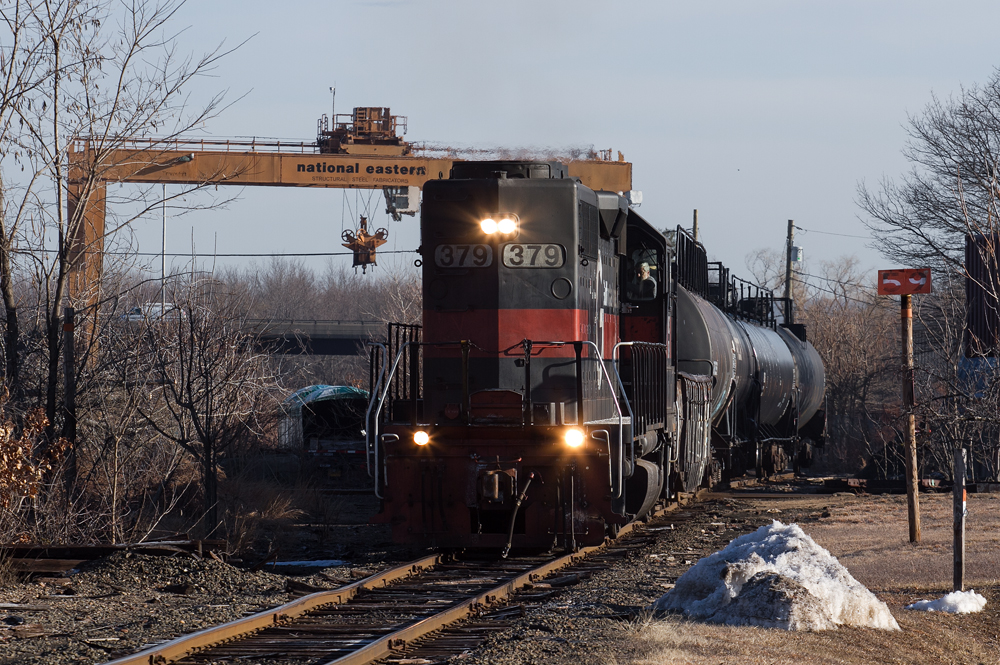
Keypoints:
(789, 309)
(912, 490)
(694, 227)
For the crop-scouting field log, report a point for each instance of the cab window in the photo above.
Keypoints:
(644, 275)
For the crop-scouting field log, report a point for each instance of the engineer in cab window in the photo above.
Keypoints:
(643, 286)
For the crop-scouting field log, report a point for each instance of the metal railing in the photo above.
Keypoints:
(207, 145)
(378, 399)
(404, 386)
(740, 298)
(372, 438)
(691, 263)
(372, 425)
(649, 364)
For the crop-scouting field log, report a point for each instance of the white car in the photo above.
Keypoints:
(153, 311)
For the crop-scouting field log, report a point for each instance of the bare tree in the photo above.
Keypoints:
(213, 388)
(854, 330)
(100, 76)
(400, 298)
(126, 468)
(954, 149)
(924, 219)
(767, 268)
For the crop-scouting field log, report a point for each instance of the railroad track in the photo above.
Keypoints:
(425, 611)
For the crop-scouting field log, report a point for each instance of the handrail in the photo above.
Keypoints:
(381, 402)
(368, 422)
(621, 428)
(631, 416)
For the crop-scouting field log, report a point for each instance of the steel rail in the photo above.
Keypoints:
(228, 632)
(384, 646)
(392, 643)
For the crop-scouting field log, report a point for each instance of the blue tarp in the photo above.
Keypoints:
(290, 434)
(322, 392)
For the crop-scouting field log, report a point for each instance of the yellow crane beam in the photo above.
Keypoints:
(289, 165)
(257, 163)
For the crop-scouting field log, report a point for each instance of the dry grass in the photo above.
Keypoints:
(925, 638)
(8, 576)
(870, 537)
(257, 509)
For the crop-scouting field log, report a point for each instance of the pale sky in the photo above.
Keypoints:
(753, 112)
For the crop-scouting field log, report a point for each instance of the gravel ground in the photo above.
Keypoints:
(118, 604)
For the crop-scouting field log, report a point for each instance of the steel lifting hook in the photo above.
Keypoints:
(513, 515)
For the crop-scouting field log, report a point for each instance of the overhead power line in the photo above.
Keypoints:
(188, 254)
(839, 294)
(832, 280)
(834, 293)
(831, 233)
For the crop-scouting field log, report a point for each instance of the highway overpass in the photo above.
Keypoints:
(321, 338)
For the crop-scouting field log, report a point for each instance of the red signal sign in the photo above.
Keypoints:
(905, 281)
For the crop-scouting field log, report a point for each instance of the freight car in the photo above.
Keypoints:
(575, 366)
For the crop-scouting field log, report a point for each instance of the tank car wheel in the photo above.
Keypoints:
(612, 530)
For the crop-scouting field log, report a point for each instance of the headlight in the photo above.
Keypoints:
(507, 226)
(421, 438)
(488, 225)
(574, 437)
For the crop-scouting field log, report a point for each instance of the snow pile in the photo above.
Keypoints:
(956, 602)
(776, 577)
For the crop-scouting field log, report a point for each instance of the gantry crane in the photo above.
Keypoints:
(363, 149)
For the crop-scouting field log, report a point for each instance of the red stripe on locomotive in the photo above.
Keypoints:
(502, 331)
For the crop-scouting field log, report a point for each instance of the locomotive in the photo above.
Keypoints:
(575, 366)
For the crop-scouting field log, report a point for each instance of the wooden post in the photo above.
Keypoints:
(789, 308)
(959, 499)
(694, 226)
(912, 490)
